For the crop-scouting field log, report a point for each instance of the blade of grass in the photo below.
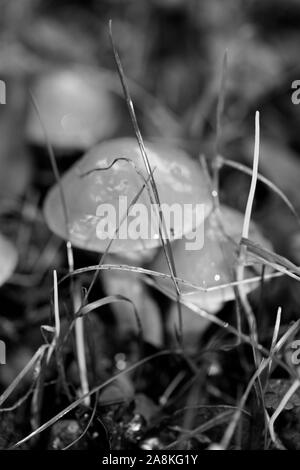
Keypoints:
(221, 104)
(236, 417)
(151, 107)
(244, 169)
(85, 309)
(125, 267)
(274, 339)
(210, 424)
(272, 259)
(38, 392)
(242, 295)
(291, 391)
(79, 332)
(56, 317)
(36, 357)
(245, 232)
(90, 421)
(162, 228)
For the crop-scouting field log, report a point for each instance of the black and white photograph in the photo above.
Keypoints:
(149, 229)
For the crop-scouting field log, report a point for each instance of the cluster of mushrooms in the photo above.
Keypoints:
(75, 111)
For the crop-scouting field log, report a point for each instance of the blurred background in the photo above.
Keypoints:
(172, 53)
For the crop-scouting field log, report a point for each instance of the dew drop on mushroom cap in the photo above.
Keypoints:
(8, 259)
(178, 178)
(76, 108)
(214, 264)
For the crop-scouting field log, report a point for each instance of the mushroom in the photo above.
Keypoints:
(212, 266)
(111, 175)
(8, 259)
(76, 108)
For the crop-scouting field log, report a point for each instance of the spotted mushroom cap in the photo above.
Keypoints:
(76, 108)
(214, 263)
(110, 176)
(8, 259)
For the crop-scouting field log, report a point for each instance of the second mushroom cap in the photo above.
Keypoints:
(214, 264)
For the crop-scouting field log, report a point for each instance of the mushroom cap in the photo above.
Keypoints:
(178, 178)
(76, 108)
(214, 264)
(8, 259)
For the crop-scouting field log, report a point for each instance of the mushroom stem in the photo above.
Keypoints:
(131, 286)
(75, 293)
(80, 346)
